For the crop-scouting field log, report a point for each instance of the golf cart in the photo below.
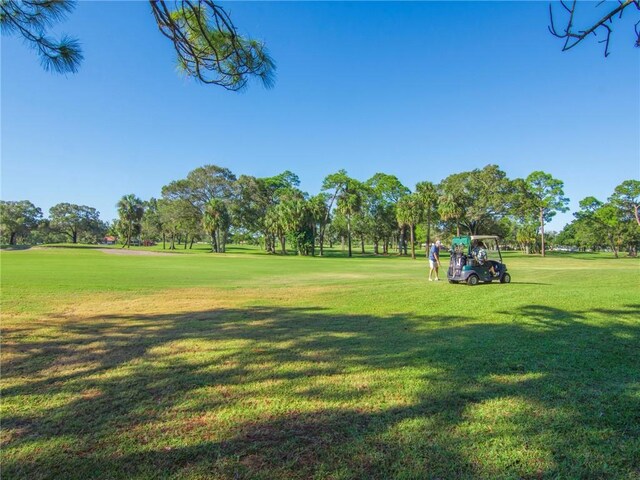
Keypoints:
(475, 259)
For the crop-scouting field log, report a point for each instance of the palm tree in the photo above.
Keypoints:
(319, 210)
(409, 213)
(296, 220)
(130, 210)
(449, 209)
(350, 203)
(429, 197)
(215, 221)
(274, 226)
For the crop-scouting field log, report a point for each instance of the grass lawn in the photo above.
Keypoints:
(252, 366)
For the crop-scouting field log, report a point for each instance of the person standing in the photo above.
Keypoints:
(434, 260)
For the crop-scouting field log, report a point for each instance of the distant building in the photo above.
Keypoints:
(109, 240)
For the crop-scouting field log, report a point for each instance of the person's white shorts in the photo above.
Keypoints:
(433, 264)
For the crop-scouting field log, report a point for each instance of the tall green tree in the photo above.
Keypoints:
(548, 198)
(337, 230)
(275, 227)
(349, 203)
(384, 193)
(17, 219)
(333, 186)
(255, 200)
(72, 219)
(170, 212)
(429, 198)
(130, 212)
(451, 208)
(409, 213)
(250, 208)
(603, 221)
(203, 184)
(320, 214)
(296, 218)
(626, 197)
(526, 235)
(474, 199)
(208, 182)
(216, 222)
(151, 225)
(362, 226)
(193, 193)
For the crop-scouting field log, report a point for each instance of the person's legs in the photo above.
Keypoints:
(431, 268)
(492, 269)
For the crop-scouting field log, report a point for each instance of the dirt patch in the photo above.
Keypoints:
(122, 251)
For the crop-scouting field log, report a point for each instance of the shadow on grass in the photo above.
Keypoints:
(14, 247)
(266, 392)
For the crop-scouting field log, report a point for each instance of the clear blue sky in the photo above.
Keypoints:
(418, 90)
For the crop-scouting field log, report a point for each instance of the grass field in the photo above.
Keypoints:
(251, 366)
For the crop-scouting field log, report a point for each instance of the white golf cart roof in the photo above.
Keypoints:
(485, 237)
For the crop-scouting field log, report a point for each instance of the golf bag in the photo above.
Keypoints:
(458, 260)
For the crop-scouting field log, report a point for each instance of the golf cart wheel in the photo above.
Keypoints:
(506, 278)
(472, 280)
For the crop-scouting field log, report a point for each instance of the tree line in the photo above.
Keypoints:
(212, 204)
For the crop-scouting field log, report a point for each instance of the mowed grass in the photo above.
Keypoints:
(252, 366)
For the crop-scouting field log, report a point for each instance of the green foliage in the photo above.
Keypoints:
(205, 40)
(409, 213)
(216, 222)
(130, 212)
(383, 193)
(626, 197)
(187, 200)
(387, 188)
(349, 202)
(17, 220)
(208, 47)
(612, 222)
(472, 199)
(32, 20)
(151, 225)
(537, 198)
(202, 185)
(254, 208)
(334, 186)
(547, 195)
(450, 207)
(429, 196)
(526, 234)
(380, 211)
(75, 220)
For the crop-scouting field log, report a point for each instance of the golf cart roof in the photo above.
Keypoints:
(485, 237)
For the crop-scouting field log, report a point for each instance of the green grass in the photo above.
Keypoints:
(254, 366)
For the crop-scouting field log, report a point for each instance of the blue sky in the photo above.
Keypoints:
(418, 90)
